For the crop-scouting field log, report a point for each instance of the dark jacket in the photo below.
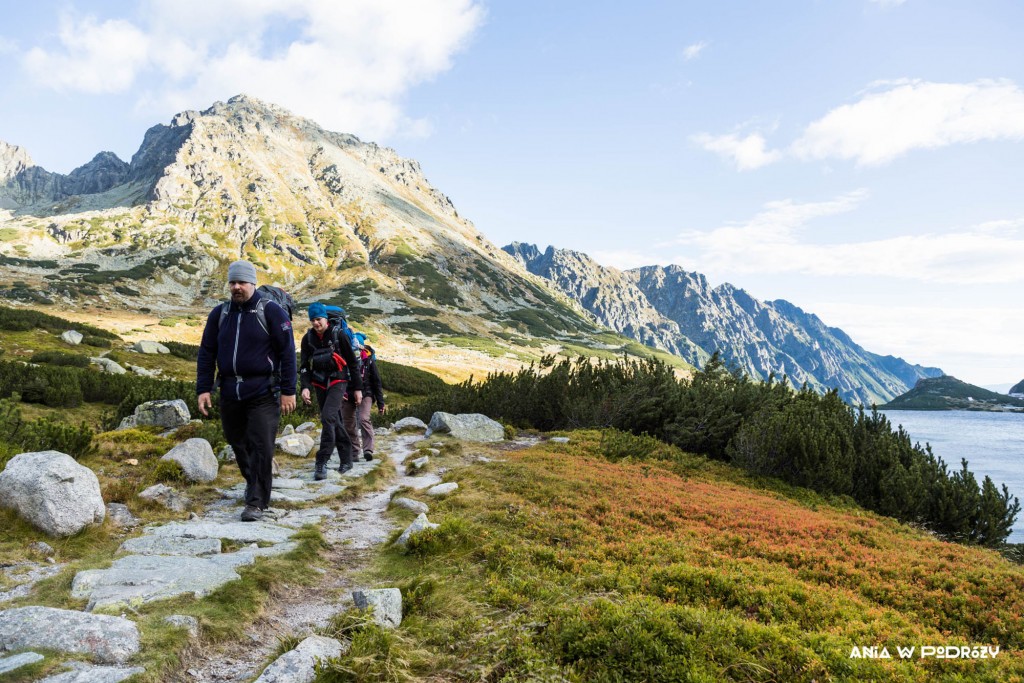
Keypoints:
(249, 360)
(337, 342)
(371, 377)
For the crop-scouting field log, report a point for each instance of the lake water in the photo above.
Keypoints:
(992, 443)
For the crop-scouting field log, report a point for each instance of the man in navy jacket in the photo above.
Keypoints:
(249, 342)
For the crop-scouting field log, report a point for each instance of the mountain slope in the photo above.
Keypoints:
(949, 393)
(321, 213)
(679, 311)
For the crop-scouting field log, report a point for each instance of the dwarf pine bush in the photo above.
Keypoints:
(767, 428)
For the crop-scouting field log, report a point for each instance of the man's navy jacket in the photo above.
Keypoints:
(247, 357)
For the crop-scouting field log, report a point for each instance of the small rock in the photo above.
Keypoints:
(227, 454)
(288, 429)
(166, 496)
(72, 337)
(409, 424)
(559, 439)
(306, 427)
(442, 489)
(196, 459)
(386, 604)
(120, 515)
(131, 461)
(421, 523)
(44, 549)
(190, 624)
(410, 504)
(150, 347)
(299, 665)
(295, 444)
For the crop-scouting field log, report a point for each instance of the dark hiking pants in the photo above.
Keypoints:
(333, 432)
(250, 426)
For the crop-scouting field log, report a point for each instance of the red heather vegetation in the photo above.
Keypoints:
(684, 569)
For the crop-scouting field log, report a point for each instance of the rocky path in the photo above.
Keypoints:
(357, 528)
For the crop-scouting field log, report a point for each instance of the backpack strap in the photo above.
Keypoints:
(261, 314)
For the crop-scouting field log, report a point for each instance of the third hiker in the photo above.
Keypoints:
(325, 363)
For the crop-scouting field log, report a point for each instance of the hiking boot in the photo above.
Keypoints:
(344, 467)
(367, 456)
(319, 474)
(251, 514)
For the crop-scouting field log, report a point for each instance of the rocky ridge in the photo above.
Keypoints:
(323, 214)
(680, 311)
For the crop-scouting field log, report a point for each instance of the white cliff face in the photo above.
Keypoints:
(679, 311)
(13, 160)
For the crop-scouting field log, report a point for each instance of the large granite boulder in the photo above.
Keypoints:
(72, 337)
(109, 639)
(466, 427)
(196, 459)
(166, 414)
(52, 492)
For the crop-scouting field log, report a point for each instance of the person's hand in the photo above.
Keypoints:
(287, 404)
(305, 396)
(382, 409)
(205, 402)
(358, 397)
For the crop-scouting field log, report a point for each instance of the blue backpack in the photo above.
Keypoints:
(336, 314)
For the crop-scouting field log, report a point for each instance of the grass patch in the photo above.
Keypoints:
(616, 557)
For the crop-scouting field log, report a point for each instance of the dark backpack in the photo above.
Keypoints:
(278, 296)
(267, 293)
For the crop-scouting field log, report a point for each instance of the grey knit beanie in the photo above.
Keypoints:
(242, 271)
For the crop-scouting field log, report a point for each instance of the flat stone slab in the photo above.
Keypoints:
(111, 640)
(13, 662)
(304, 495)
(283, 483)
(299, 665)
(299, 518)
(139, 579)
(170, 545)
(244, 532)
(88, 673)
(25, 576)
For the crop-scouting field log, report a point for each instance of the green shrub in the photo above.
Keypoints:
(60, 358)
(21, 320)
(168, 472)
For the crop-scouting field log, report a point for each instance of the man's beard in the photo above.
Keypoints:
(238, 297)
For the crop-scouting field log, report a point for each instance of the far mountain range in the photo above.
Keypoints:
(331, 217)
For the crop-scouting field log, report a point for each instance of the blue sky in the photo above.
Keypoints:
(860, 158)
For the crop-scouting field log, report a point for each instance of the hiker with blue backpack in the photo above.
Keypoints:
(248, 351)
(373, 392)
(328, 366)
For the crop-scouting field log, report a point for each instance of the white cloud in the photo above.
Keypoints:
(747, 152)
(915, 115)
(694, 50)
(773, 242)
(346, 65)
(8, 46)
(95, 57)
(885, 124)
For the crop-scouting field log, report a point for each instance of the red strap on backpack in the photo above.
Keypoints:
(339, 361)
